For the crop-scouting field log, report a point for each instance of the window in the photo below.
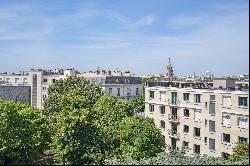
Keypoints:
(151, 94)
(205, 140)
(186, 96)
(24, 80)
(44, 88)
(205, 122)
(162, 96)
(186, 129)
(197, 98)
(16, 80)
(211, 126)
(186, 112)
(197, 115)
(243, 122)
(226, 120)
(185, 144)
(212, 97)
(225, 138)
(197, 132)
(118, 91)
(211, 108)
(211, 144)
(128, 91)
(225, 155)
(242, 139)
(137, 91)
(53, 80)
(174, 98)
(162, 109)
(196, 149)
(151, 108)
(243, 101)
(205, 104)
(226, 101)
(110, 90)
(44, 96)
(162, 124)
(45, 80)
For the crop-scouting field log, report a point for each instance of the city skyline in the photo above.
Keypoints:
(129, 35)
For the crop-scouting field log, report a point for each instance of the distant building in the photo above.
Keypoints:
(120, 84)
(169, 70)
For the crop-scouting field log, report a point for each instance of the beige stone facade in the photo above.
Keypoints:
(206, 121)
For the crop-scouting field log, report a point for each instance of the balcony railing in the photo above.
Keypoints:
(175, 103)
(173, 134)
(173, 118)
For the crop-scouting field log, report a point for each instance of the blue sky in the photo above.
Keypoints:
(135, 35)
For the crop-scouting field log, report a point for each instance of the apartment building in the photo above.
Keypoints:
(203, 120)
(38, 81)
(120, 84)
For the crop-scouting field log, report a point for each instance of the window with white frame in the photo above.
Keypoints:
(162, 109)
(151, 94)
(197, 115)
(243, 101)
(226, 120)
(225, 138)
(243, 122)
(226, 101)
(162, 96)
(197, 98)
(162, 124)
(186, 96)
(211, 126)
(151, 108)
(211, 144)
(197, 132)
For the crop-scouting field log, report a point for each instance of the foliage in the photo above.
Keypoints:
(23, 133)
(75, 139)
(240, 151)
(140, 137)
(138, 104)
(79, 85)
(175, 158)
(107, 113)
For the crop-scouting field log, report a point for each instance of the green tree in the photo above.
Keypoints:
(79, 85)
(75, 140)
(240, 151)
(140, 137)
(107, 114)
(24, 134)
(138, 104)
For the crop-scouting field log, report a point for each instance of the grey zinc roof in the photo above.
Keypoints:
(114, 80)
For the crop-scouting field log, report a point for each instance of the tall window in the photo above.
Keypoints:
(151, 94)
(242, 101)
(197, 115)
(186, 112)
(226, 120)
(186, 96)
(186, 129)
(211, 108)
(197, 98)
(162, 124)
(53, 80)
(225, 138)
(118, 91)
(197, 132)
(212, 126)
(128, 91)
(110, 90)
(211, 144)
(162, 109)
(174, 98)
(226, 101)
(197, 149)
(243, 122)
(151, 108)
(137, 91)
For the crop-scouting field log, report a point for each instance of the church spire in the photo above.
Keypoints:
(169, 69)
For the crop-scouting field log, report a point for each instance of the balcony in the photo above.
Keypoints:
(174, 134)
(173, 118)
